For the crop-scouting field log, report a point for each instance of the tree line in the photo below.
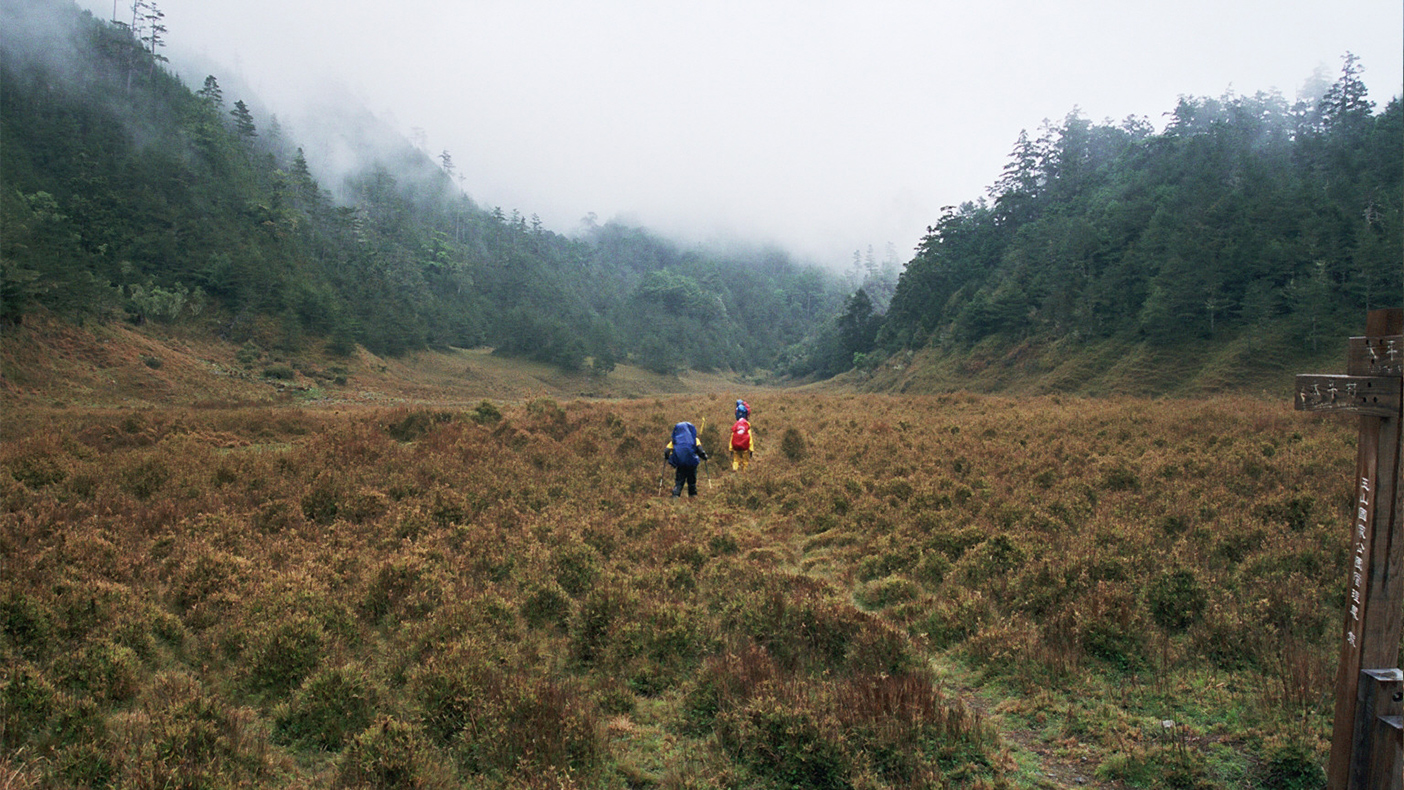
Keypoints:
(1245, 214)
(1244, 210)
(127, 193)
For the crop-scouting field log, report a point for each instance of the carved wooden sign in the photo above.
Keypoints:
(1374, 612)
(1373, 395)
(1376, 356)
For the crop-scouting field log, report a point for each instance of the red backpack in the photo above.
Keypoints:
(741, 435)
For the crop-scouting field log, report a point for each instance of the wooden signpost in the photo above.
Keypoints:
(1367, 744)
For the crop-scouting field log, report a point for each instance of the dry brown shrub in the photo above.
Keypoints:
(1030, 557)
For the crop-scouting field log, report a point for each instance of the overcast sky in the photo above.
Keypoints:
(822, 126)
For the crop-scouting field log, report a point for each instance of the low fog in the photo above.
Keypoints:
(820, 127)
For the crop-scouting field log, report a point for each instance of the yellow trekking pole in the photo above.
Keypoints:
(707, 470)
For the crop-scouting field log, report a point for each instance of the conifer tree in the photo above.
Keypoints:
(211, 93)
(243, 121)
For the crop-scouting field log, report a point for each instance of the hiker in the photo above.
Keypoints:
(743, 443)
(683, 454)
(743, 410)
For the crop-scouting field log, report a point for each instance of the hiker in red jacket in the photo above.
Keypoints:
(743, 443)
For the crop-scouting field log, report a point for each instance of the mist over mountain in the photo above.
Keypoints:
(129, 193)
(1251, 234)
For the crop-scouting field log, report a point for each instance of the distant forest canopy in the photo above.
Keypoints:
(1245, 213)
(124, 191)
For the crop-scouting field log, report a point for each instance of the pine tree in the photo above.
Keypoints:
(211, 93)
(243, 121)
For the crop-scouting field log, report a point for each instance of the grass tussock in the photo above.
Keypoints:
(498, 597)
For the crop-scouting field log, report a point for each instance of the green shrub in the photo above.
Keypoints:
(615, 698)
(1228, 644)
(955, 544)
(283, 652)
(248, 354)
(87, 764)
(1160, 767)
(447, 690)
(78, 719)
(1296, 512)
(402, 585)
(792, 445)
(278, 516)
(537, 721)
(591, 627)
(724, 682)
(389, 755)
(27, 624)
(27, 701)
(415, 424)
(1173, 525)
(279, 373)
(671, 635)
(1121, 478)
(1119, 645)
(144, 479)
(546, 416)
(206, 583)
(498, 717)
(327, 711)
(576, 566)
(103, 671)
(1289, 766)
(1235, 547)
(485, 413)
(879, 649)
(322, 503)
(188, 737)
(546, 605)
(931, 569)
(956, 618)
(996, 558)
(886, 564)
(1176, 600)
(882, 593)
(782, 740)
(37, 471)
(722, 544)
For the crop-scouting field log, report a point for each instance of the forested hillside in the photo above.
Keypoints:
(1245, 211)
(126, 193)
(1247, 214)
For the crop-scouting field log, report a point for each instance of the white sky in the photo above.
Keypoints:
(823, 126)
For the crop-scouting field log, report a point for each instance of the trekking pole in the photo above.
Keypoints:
(662, 472)
(706, 470)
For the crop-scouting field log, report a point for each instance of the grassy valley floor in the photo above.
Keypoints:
(903, 591)
(225, 566)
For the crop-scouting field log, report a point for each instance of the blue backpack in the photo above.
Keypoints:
(684, 445)
(742, 410)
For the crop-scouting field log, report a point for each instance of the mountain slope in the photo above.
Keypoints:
(129, 195)
(1249, 236)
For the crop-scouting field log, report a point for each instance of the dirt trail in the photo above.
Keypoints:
(1051, 771)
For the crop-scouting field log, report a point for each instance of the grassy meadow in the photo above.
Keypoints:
(956, 591)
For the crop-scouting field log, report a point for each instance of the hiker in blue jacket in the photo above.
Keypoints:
(683, 454)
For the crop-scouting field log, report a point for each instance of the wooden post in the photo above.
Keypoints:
(1375, 606)
(1378, 708)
